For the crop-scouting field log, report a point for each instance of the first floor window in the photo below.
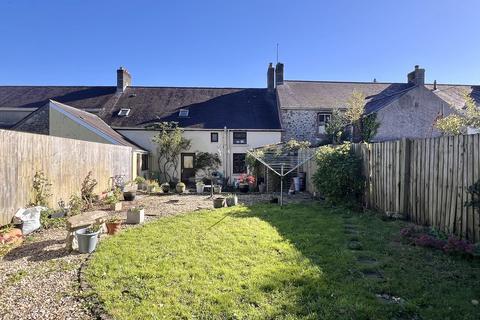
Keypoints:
(240, 137)
(322, 120)
(144, 162)
(214, 137)
(239, 165)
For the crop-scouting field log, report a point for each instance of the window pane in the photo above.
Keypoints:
(214, 137)
(239, 137)
(239, 163)
(188, 162)
(144, 161)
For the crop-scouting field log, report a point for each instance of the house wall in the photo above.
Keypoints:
(301, 125)
(411, 116)
(201, 143)
(62, 126)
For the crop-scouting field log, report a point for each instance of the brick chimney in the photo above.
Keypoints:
(270, 77)
(417, 76)
(123, 79)
(279, 73)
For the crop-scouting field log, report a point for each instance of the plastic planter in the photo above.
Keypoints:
(87, 242)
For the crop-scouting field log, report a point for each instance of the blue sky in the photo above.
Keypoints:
(229, 43)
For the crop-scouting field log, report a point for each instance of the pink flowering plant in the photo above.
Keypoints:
(246, 178)
(433, 238)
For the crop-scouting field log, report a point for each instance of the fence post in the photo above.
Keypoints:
(405, 177)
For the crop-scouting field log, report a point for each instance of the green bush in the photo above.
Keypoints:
(339, 174)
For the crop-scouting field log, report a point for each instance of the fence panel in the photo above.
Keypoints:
(426, 179)
(65, 162)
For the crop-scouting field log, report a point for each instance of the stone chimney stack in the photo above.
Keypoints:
(279, 73)
(417, 76)
(270, 77)
(123, 79)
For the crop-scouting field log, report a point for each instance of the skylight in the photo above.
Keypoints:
(183, 113)
(123, 112)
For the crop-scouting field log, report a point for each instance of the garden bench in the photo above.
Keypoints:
(81, 221)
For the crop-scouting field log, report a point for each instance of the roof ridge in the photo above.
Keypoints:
(194, 87)
(354, 82)
(54, 86)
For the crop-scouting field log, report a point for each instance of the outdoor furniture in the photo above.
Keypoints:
(81, 221)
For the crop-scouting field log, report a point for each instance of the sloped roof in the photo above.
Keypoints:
(454, 94)
(89, 120)
(209, 108)
(327, 94)
(82, 97)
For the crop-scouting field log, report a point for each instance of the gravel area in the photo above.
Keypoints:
(39, 279)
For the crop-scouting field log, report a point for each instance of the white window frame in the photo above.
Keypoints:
(183, 113)
(124, 112)
(325, 118)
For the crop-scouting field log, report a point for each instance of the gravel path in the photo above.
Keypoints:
(39, 280)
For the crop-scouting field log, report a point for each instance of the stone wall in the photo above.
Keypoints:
(301, 125)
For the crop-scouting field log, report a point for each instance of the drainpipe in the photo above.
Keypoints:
(225, 151)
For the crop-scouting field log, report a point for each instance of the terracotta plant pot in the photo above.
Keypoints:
(113, 227)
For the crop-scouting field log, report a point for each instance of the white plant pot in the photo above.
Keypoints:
(134, 217)
(201, 188)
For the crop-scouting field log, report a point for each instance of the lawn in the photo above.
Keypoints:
(263, 262)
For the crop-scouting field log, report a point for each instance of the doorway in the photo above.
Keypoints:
(187, 170)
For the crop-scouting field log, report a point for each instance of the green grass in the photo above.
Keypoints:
(266, 263)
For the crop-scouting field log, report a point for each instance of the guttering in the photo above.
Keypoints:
(201, 129)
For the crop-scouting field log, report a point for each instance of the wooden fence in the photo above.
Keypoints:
(426, 179)
(65, 162)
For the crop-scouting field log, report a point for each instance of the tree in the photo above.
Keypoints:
(207, 163)
(369, 127)
(335, 127)
(170, 143)
(355, 111)
(456, 124)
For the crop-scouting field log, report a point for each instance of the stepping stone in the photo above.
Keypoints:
(372, 274)
(354, 245)
(386, 298)
(367, 260)
(352, 232)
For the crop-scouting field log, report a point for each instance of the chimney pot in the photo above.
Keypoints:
(279, 73)
(417, 76)
(270, 77)
(124, 79)
(435, 85)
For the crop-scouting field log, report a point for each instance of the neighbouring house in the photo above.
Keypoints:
(404, 110)
(227, 121)
(60, 120)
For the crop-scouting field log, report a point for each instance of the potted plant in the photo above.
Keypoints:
(245, 181)
(87, 238)
(165, 187)
(217, 189)
(180, 187)
(219, 202)
(200, 186)
(113, 224)
(130, 191)
(152, 185)
(112, 200)
(141, 182)
(232, 200)
(136, 215)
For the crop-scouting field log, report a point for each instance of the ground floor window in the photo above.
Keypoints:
(144, 162)
(239, 165)
(322, 120)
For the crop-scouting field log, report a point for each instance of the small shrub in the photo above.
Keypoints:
(339, 174)
(49, 223)
(76, 205)
(459, 246)
(88, 185)
(41, 189)
(139, 180)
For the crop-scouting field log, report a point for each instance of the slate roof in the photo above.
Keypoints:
(88, 118)
(316, 95)
(82, 97)
(209, 108)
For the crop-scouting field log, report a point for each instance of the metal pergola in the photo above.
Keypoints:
(280, 163)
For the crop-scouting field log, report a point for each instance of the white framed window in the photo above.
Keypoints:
(123, 112)
(322, 120)
(183, 113)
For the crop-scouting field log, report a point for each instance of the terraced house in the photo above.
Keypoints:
(226, 121)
